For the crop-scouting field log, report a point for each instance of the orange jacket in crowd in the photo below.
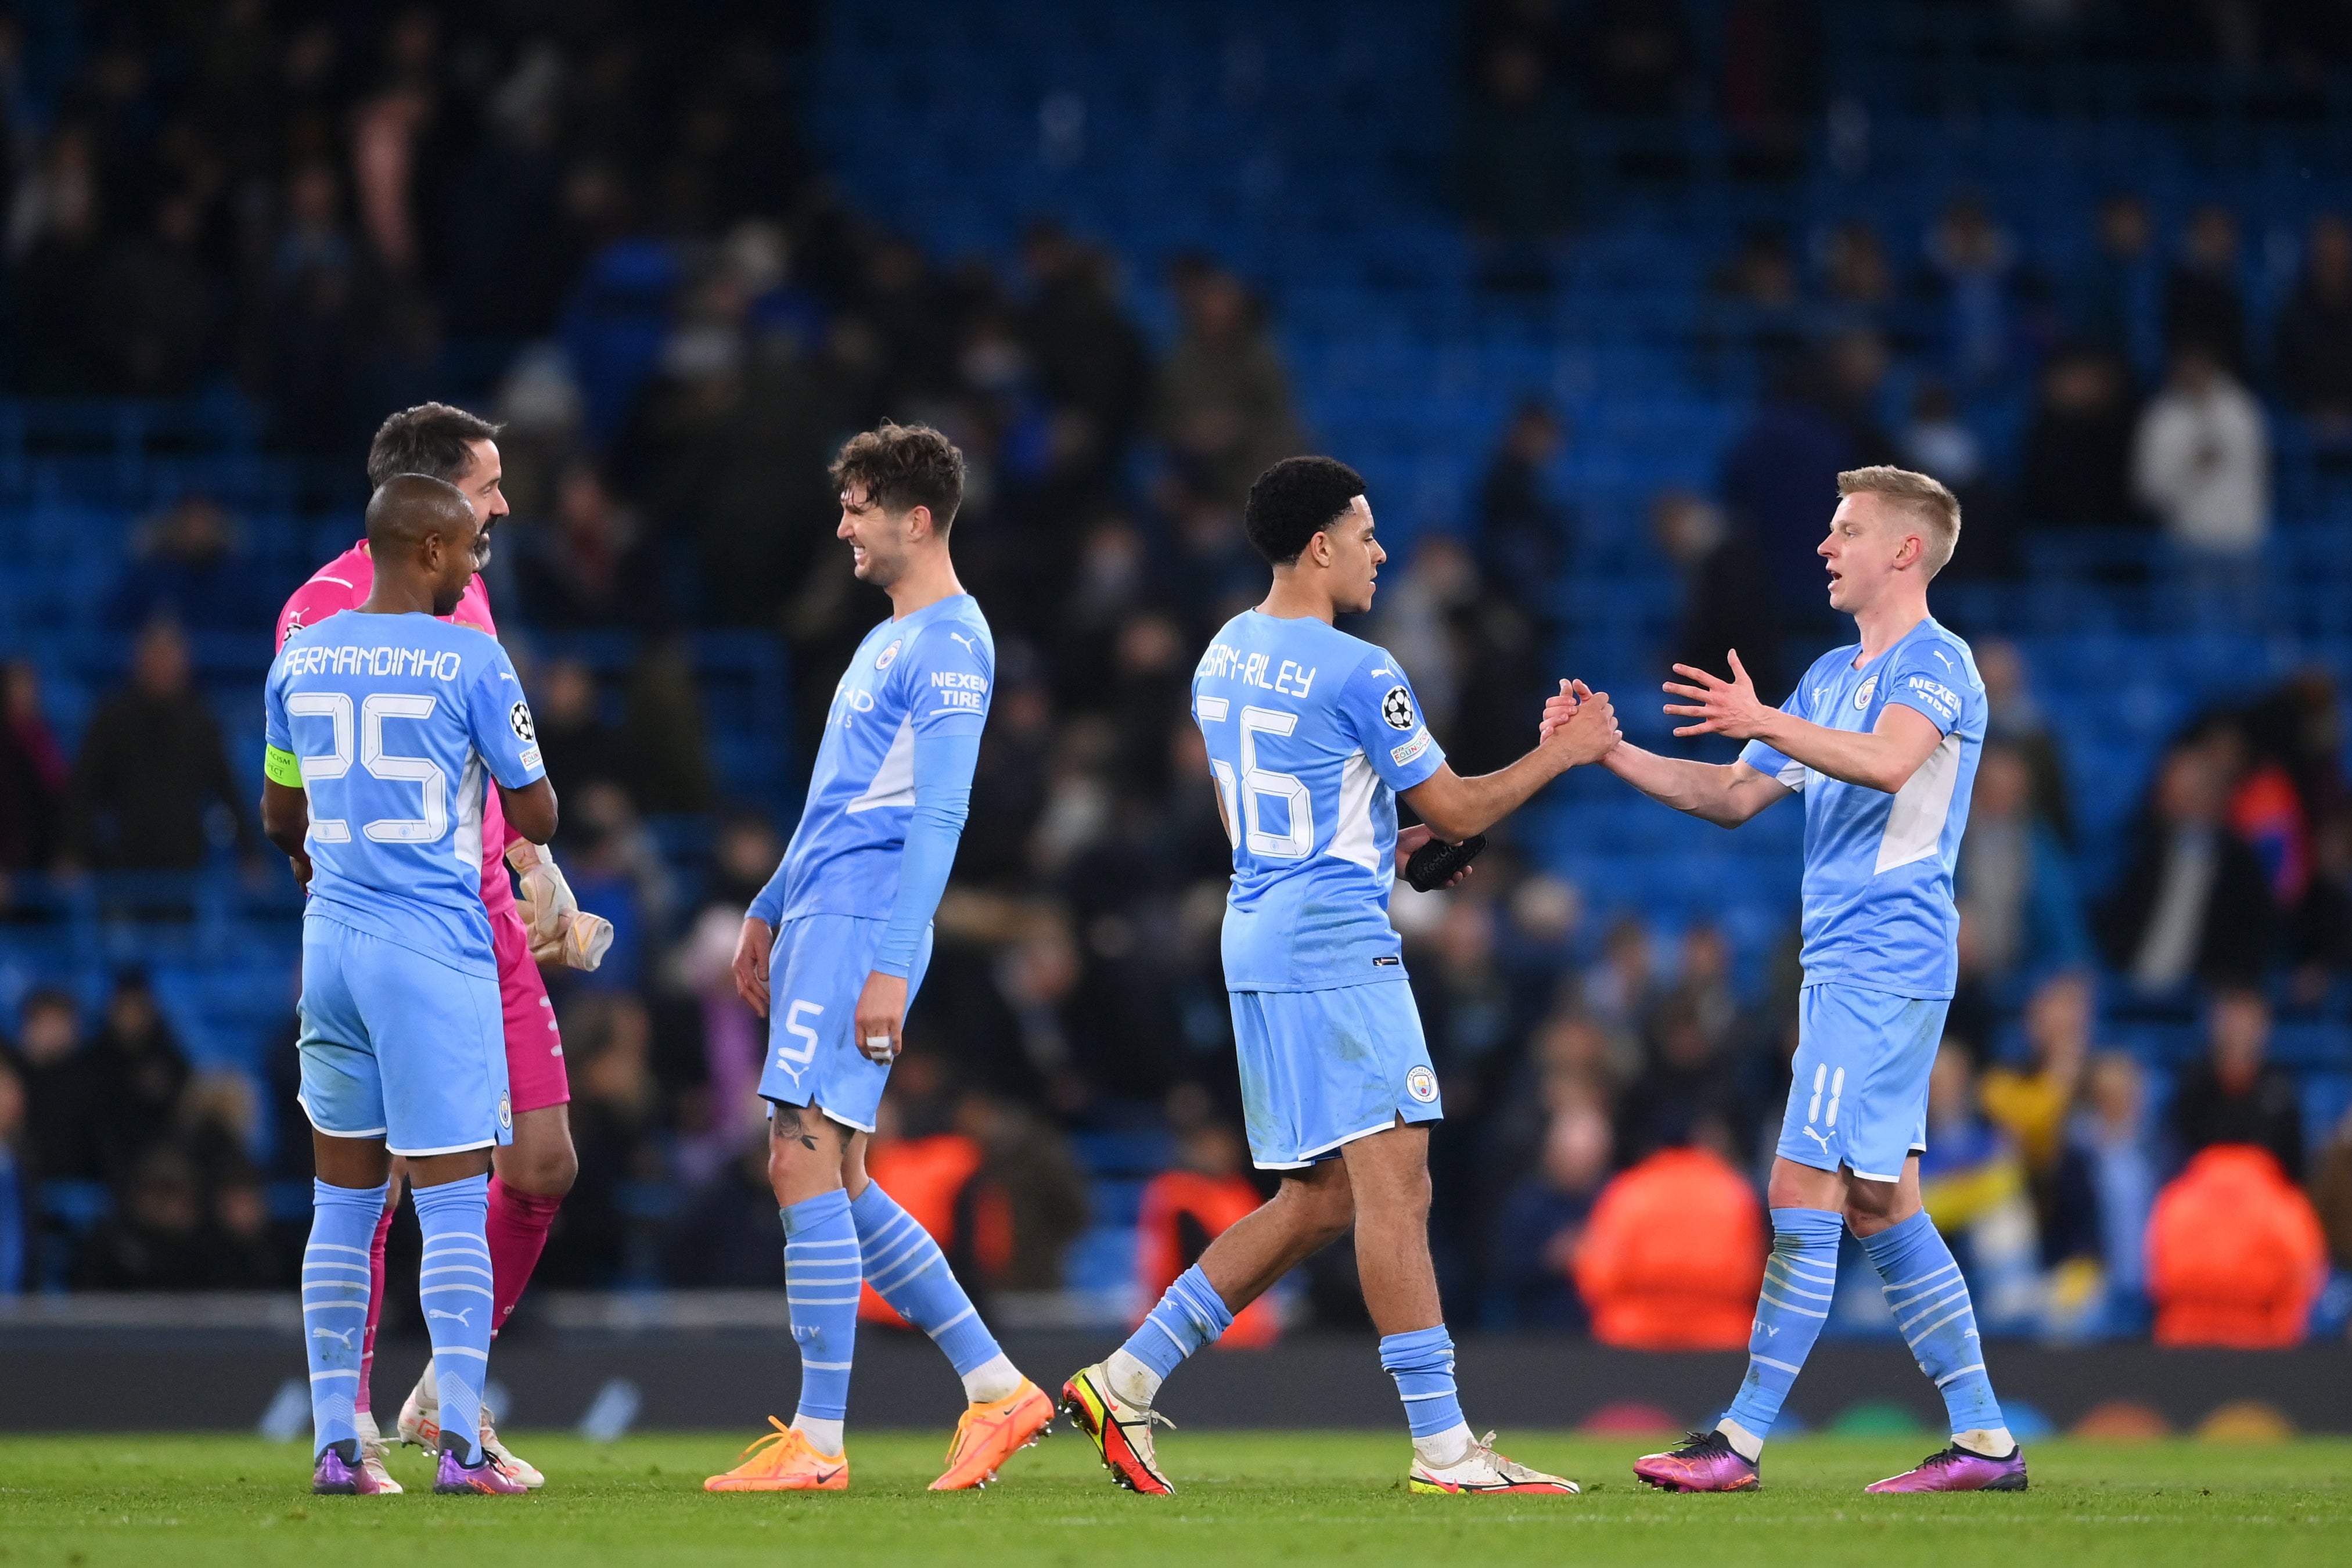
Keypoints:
(1673, 1255)
(928, 1176)
(1210, 1204)
(2235, 1255)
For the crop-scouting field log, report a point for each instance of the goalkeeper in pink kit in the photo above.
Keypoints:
(545, 926)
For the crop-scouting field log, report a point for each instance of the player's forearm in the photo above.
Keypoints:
(943, 770)
(1464, 806)
(1704, 790)
(1870, 758)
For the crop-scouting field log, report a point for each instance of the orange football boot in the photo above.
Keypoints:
(990, 1434)
(784, 1461)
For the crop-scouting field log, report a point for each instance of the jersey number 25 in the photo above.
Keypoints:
(336, 706)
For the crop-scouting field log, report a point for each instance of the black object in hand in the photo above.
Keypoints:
(1437, 863)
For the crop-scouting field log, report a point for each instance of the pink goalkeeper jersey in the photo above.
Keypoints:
(343, 584)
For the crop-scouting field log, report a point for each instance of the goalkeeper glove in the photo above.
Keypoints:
(560, 930)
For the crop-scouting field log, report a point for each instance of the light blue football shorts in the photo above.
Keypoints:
(815, 971)
(1320, 1069)
(1860, 1095)
(400, 1047)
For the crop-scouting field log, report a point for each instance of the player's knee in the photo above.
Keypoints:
(548, 1172)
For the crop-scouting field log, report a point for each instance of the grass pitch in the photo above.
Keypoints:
(189, 1502)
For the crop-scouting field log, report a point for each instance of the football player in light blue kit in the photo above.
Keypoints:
(1881, 738)
(832, 950)
(1312, 735)
(386, 728)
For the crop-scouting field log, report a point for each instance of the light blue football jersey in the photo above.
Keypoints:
(400, 723)
(930, 675)
(1310, 734)
(1878, 908)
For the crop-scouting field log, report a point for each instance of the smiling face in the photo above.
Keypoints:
(1872, 541)
(481, 482)
(879, 542)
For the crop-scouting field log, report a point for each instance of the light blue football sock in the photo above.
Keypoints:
(1191, 1315)
(452, 1281)
(1930, 1302)
(907, 1270)
(1800, 1279)
(1423, 1364)
(821, 1280)
(335, 1278)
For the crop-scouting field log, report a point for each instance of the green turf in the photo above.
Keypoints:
(191, 1501)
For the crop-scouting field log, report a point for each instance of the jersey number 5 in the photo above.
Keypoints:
(433, 783)
(1241, 795)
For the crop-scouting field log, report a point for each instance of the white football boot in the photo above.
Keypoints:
(420, 1423)
(372, 1448)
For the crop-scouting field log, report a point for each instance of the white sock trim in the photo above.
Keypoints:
(1744, 1443)
(1992, 1442)
(1130, 1380)
(1443, 1451)
(991, 1380)
(823, 1435)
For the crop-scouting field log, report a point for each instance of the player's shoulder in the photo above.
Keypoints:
(959, 625)
(1944, 651)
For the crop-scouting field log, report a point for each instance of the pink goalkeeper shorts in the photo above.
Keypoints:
(535, 1075)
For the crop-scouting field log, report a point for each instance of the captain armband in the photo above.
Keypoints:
(280, 766)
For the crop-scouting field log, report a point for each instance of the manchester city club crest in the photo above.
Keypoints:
(883, 659)
(1422, 1084)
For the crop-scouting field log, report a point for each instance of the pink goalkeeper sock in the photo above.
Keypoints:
(375, 1301)
(517, 1229)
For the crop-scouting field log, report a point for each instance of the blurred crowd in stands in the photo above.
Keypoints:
(334, 217)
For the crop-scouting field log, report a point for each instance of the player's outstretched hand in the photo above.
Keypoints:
(881, 1008)
(1586, 735)
(1721, 707)
(752, 963)
(1412, 838)
(1560, 708)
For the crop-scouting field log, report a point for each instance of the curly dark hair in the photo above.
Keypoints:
(433, 438)
(902, 467)
(1296, 499)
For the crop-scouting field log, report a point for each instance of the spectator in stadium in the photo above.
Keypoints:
(2016, 881)
(32, 772)
(2115, 298)
(2200, 459)
(589, 564)
(1224, 405)
(2203, 307)
(187, 569)
(1190, 1206)
(164, 307)
(1681, 1086)
(1638, 57)
(2193, 900)
(1673, 1254)
(1721, 609)
(1532, 1255)
(2235, 1095)
(2235, 1255)
(2105, 1185)
(1515, 161)
(2033, 1102)
(19, 1235)
(1618, 992)
(2313, 338)
(1089, 362)
(616, 1115)
(66, 1099)
(157, 1239)
(1030, 1167)
(2015, 719)
(153, 776)
(54, 238)
(1773, 476)
(137, 1060)
(579, 747)
(1525, 529)
(662, 732)
(1972, 1180)
(2076, 471)
(1762, 293)
(1857, 282)
(2331, 1189)
(1972, 262)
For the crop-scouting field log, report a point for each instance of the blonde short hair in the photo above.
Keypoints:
(1930, 500)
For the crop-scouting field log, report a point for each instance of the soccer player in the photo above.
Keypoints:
(382, 726)
(534, 1171)
(1880, 737)
(1312, 734)
(840, 938)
